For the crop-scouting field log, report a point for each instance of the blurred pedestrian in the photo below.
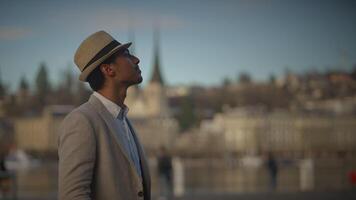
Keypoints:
(5, 180)
(272, 167)
(165, 173)
(352, 178)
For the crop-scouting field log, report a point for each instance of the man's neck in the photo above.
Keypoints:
(115, 95)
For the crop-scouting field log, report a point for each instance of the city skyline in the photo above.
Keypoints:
(209, 39)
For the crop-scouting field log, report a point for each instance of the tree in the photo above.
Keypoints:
(23, 83)
(68, 80)
(187, 117)
(43, 86)
(244, 78)
(82, 93)
(226, 82)
(66, 88)
(272, 79)
(353, 73)
(2, 89)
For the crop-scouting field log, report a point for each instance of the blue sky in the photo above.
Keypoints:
(200, 41)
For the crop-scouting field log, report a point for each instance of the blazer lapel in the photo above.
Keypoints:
(144, 163)
(114, 130)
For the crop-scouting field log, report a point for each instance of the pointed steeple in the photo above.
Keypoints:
(156, 74)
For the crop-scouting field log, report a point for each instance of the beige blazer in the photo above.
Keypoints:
(93, 164)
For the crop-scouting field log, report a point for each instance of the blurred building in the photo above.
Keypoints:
(252, 130)
(39, 133)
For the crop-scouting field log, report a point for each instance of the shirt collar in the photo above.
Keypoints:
(115, 110)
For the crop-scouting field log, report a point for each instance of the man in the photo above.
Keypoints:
(100, 156)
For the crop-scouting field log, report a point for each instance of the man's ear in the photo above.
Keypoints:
(107, 70)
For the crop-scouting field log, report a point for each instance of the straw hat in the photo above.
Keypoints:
(94, 50)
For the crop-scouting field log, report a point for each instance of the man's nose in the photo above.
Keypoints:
(135, 60)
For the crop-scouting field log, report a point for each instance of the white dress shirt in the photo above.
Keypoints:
(120, 116)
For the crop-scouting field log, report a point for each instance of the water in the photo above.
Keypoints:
(207, 176)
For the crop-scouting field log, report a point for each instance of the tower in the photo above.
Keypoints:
(155, 93)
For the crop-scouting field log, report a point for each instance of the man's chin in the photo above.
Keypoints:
(140, 79)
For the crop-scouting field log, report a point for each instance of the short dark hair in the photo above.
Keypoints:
(96, 78)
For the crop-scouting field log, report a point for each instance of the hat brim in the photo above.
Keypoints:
(84, 75)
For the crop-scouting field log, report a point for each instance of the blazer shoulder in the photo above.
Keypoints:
(77, 116)
(85, 111)
(77, 121)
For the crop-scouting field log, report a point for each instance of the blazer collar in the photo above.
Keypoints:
(115, 110)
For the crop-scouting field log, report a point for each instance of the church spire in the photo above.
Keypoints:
(156, 74)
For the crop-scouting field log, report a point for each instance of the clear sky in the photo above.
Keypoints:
(200, 41)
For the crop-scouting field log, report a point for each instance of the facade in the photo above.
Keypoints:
(38, 134)
(253, 131)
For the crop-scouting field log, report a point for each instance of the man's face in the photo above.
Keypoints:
(126, 68)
